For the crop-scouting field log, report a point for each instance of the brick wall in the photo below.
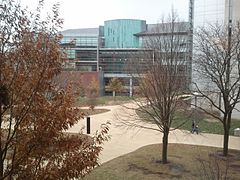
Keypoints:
(80, 80)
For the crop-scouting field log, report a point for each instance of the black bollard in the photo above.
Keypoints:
(88, 125)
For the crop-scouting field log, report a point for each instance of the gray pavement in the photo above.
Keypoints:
(125, 140)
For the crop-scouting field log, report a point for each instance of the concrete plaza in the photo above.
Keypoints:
(124, 140)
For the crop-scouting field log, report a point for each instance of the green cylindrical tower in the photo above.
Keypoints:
(120, 33)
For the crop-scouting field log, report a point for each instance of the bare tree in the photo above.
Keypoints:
(161, 70)
(217, 63)
(213, 168)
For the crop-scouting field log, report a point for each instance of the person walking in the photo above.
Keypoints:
(194, 128)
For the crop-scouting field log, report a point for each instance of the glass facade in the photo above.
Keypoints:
(208, 12)
(235, 6)
(86, 59)
(120, 33)
(76, 39)
(115, 60)
(81, 41)
(70, 53)
(212, 11)
(81, 37)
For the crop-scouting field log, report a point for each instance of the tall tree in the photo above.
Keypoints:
(217, 63)
(35, 112)
(162, 71)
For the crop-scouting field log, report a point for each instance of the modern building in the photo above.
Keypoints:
(120, 33)
(234, 6)
(210, 12)
(215, 11)
(107, 49)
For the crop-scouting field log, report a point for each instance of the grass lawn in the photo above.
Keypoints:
(104, 100)
(185, 162)
(88, 112)
(206, 124)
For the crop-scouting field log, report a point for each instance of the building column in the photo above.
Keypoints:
(98, 44)
(130, 87)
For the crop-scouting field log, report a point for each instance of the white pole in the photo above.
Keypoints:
(130, 87)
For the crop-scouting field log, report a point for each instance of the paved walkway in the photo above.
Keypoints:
(127, 140)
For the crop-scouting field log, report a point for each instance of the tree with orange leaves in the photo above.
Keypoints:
(35, 112)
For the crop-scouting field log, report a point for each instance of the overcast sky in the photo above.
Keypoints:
(92, 13)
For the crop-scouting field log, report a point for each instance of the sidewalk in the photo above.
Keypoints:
(125, 140)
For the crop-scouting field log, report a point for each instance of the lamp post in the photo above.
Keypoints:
(227, 104)
(229, 27)
(229, 39)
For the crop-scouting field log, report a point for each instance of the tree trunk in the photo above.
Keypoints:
(1, 165)
(1, 171)
(1, 152)
(227, 125)
(114, 93)
(225, 142)
(165, 145)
